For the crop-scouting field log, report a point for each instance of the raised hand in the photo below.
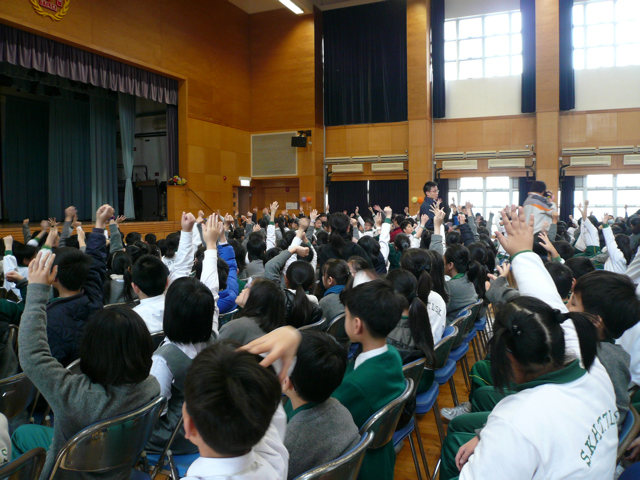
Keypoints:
(313, 215)
(25, 221)
(52, 222)
(256, 228)
(462, 219)
(519, 231)
(211, 231)
(69, 213)
(45, 225)
(103, 214)
(388, 212)
(120, 219)
(8, 242)
(187, 221)
(438, 220)
(377, 208)
(299, 250)
(274, 208)
(40, 270)
(280, 344)
(378, 219)
(469, 207)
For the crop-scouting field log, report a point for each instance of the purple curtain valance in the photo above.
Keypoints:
(33, 51)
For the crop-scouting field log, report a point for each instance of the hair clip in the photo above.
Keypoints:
(516, 330)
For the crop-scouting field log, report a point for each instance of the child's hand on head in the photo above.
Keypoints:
(280, 344)
(40, 270)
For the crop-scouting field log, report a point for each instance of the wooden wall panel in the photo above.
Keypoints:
(547, 56)
(368, 139)
(599, 128)
(283, 73)
(493, 133)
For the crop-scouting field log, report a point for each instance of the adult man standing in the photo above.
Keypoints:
(430, 198)
(538, 205)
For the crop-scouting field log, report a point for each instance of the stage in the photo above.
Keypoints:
(161, 229)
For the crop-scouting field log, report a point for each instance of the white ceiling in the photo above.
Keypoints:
(256, 6)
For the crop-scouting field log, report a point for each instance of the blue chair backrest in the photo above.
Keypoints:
(443, 347)
(346, 467)
(110, 444)
(384, 422)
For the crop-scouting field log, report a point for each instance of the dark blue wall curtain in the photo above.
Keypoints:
(69, 157)
(347, 196)
(443, 188)
(524, 187)
(567, 83)
(567, 191)
(392, 193)
(104, 163)
(24, 160)
(173, 166)
(365, 64)
(528, 11)
(437, 57)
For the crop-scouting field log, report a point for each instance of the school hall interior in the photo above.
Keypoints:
(379, 97)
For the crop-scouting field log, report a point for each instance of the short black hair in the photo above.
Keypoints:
(189, 307)
(562, 276)
(223, 273)
(150, 238)
(150, 275)
(538, 187)
(132, 237)
(73, 267)
(338, 270)
(116, 347)
(564, 249)
(230, 398)
(266, 303)
(459, 256)
(256, 246)
(320, 366)
(580, 266)
(172, 242)
(162, 245)
(264, 223)
(23, 252)
(405, 224)
(378, 305)
(428, 186)
(611, 296)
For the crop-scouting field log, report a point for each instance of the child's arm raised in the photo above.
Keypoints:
(96, 250)
(211, 231)
(184, 256)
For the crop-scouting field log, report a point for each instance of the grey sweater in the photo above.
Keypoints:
(242, 330)
(319, 435)
(462, 293)
(616, 362)
(331, 307)
(76, 401)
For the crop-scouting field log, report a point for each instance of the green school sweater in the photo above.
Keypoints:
(366, 390)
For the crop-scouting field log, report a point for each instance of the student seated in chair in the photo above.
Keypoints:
(232, 413)
(374, 379)
(320, 428)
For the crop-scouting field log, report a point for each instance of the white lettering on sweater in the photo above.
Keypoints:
(599, 427)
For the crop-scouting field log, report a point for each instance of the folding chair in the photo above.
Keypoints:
(26, 467)
(178, 464)
(346, 467)
(111, 444)
(336, 329)
(460, 347)
(16, 393)
(471, 336)
(384, 422)
(13, 338)
(413, 370)
(429, 400)
(629, 432)
(224, 318)
(314, 326)
(157, 338)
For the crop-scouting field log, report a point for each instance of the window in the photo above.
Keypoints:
(605, 34)
(608, 194)
(487, 195)
(484, 46)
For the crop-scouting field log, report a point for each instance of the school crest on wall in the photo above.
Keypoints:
(54, 9)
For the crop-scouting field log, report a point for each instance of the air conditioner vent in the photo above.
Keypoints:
(483, 154)
(592, 161)
(617, 150)
(569, 152)
(387, 167)
(514, 153)
(348, 168)
(460, 165)
(365, 159)
(332, 160)
(506, 163)
(450, 156)
(394, 158)
(631, 160)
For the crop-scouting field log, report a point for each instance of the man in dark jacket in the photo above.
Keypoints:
(79, 283)
(431, 193)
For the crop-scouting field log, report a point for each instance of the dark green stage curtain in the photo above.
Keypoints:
(524, 187)
(24, 159)
(437, 57)
(528, 11)
(365, 63)
(104, 168)
(392, 193)
(347, 196)
(567, 189)
(69, 157)
(567, 81)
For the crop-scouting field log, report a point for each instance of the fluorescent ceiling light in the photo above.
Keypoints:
(292, 6)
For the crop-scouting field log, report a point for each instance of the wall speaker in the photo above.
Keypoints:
(300, 142)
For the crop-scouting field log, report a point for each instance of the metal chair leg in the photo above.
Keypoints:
(454, 394)
(415, 457)
(465, 372)
(439, 425)
(421, 446)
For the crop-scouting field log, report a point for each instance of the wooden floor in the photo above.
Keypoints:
(405, 468)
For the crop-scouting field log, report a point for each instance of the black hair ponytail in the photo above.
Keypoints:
(624, 244)
(300, 277)
(478, 274)
(530, 331)
(339, 224)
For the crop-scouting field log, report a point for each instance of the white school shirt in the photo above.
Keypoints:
(630, 340)
(550, 432)
(267, 460)
(437, 309)
(616, 261)
(10, 264)
(152, 312)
